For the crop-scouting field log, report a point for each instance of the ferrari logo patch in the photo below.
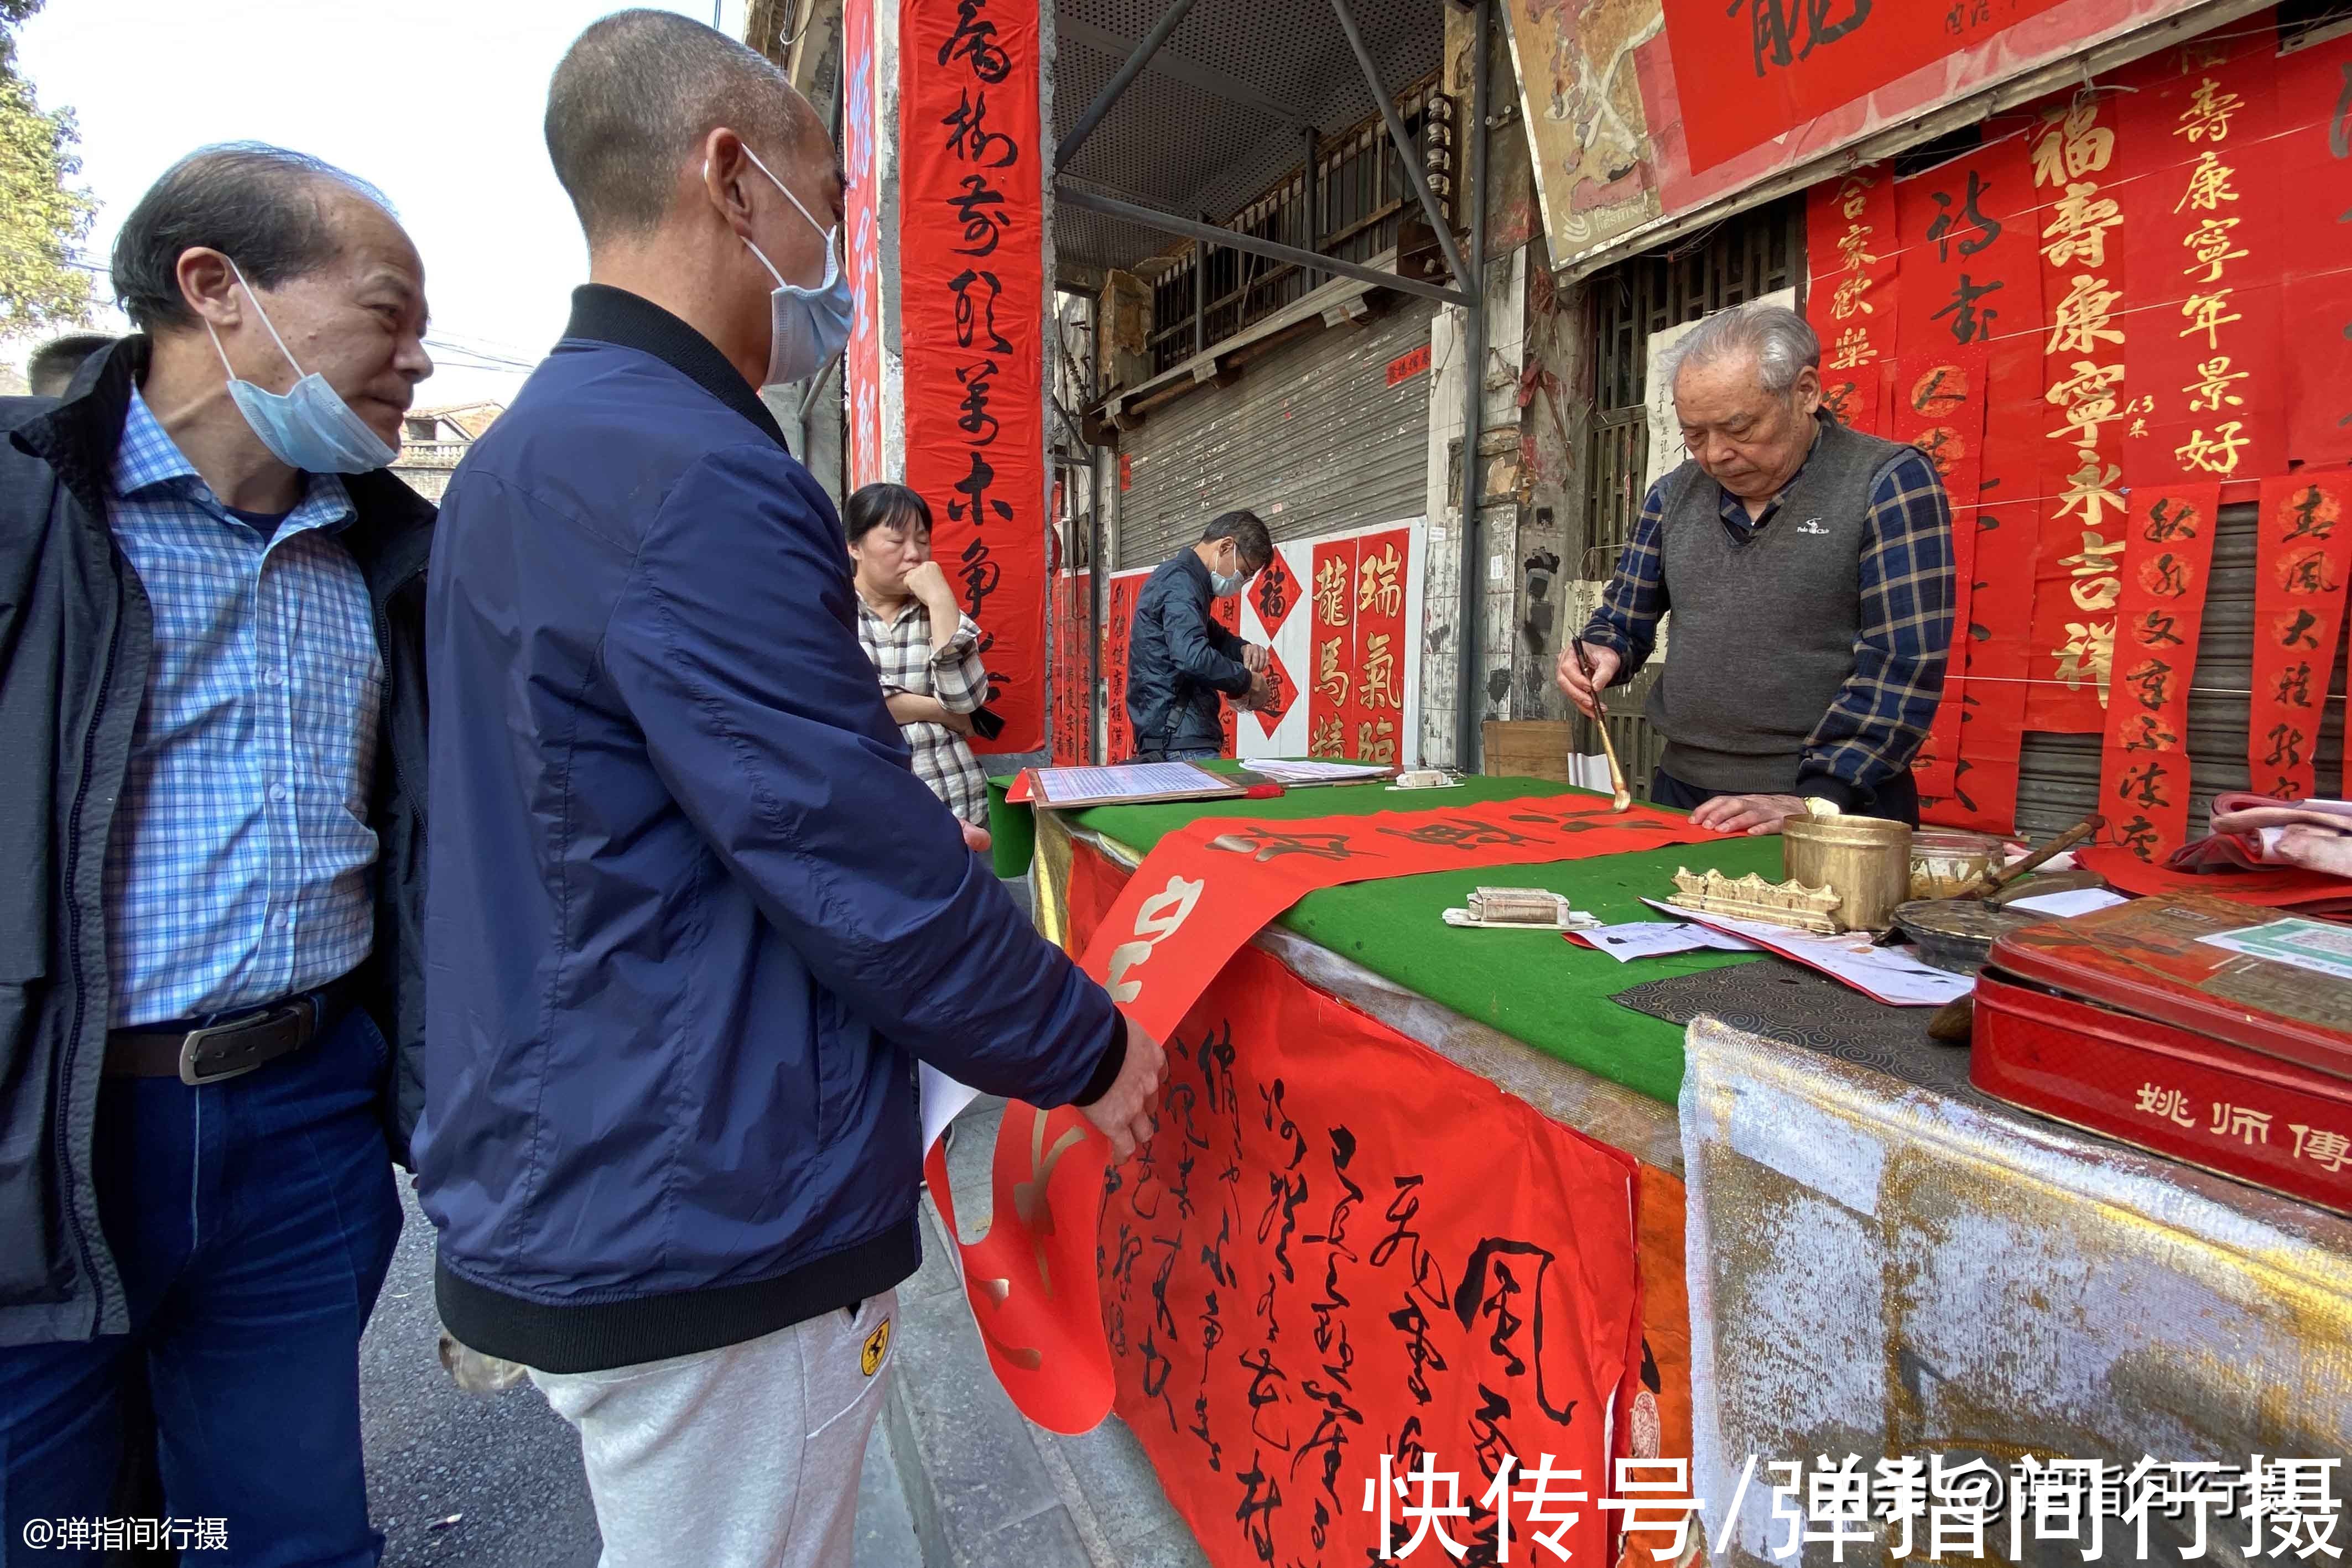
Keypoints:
(877, 1345)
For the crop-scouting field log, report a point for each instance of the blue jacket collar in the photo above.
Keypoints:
(608, 314)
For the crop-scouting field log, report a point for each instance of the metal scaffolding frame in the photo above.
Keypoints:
(1468, 276)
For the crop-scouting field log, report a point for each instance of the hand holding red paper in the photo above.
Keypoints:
(1124, 1112)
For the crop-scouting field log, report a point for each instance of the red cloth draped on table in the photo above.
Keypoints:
(1202, 894)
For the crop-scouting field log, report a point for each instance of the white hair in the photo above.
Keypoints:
(1782, 344)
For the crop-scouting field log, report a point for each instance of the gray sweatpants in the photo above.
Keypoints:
(742, 1458)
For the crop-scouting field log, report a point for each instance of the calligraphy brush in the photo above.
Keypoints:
(1623, 800)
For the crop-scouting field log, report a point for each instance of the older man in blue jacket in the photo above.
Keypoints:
(691, 917)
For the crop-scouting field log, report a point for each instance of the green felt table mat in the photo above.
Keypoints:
(1533, 985)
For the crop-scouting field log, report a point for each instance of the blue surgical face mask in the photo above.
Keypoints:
(807, 326)
(312, 427)
(1224, 585)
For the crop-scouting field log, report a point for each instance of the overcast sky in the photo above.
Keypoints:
(437, 102)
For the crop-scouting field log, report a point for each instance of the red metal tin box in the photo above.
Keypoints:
(2128, 1023)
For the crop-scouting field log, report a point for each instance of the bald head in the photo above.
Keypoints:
(632, 102)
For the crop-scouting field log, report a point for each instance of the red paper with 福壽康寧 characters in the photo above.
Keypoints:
(2168, 562)
(1939, 408)
(2081, 160)
(2302, 555)
(2204, 385)
(1850, 298)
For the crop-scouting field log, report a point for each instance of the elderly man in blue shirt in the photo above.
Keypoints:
(211, 630)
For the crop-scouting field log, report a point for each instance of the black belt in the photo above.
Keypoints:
(196, 1052)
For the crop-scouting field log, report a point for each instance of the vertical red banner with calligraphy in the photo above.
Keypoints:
(1971, 281)
(2168, 562)
(2302, 555)
(1119, 635)
(861, 365)
(1376, 721)
(1227, 613)
(2314, 157)
(1330, 682)
(1939, 407)
(973, 296)
(2080, 160)
(1073, 706)
(2205, 386)
(1851, 248)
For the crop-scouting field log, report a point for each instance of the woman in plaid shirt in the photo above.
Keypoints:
(923, 645)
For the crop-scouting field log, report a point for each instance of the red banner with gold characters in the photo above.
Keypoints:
(1855, 398)
(2167, 565)
(2205, 389)
(1227, 613)
(973, 294)
(2313, 158)
(1330, 679)
(1119, 634)
(1850, 297)
(1939, 408)
(1383, 644)
(2301, 556)
(2079, 163)
(861, 376)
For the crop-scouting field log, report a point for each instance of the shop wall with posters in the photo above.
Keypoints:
(1339, 612)
(1321, 433)
(2118, 323)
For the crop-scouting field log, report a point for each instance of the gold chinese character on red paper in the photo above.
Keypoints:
(2211, 243)
(2090, 491)
(1376, 743)
(2214, 454)
(1328, 738)
(2095, 584)
(2209, 185)
(1329, 678)
(2207, 313)
(2088, 656)
(2088, 396)
(1853, 347)
(1331, 592)
(2207, 118)
(2084, 318)
(1854, 196)
(2079, 222)
(1377, 589)
(1379, 672)
(1853, 247)
(2073, 146)
(2212, 389)
(1847, 299)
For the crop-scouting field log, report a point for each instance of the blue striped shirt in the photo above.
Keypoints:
(1880, 719)
(239, 868)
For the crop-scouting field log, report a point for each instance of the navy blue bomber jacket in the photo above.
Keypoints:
(690, 917)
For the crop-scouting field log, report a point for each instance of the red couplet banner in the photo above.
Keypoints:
(973, 293)
(1119, 638)
(2144, 763)
(1849, 295)
(2303, 554)
(1939, 408)
(862, 372)
(1342, 1253)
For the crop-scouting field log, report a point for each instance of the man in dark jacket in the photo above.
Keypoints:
(1179, 658)
(693, 917)
(211, 628)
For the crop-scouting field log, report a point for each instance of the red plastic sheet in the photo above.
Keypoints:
(2143, 764)
(2303, 554)
(973, 291)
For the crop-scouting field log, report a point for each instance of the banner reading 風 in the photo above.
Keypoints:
(972, 299)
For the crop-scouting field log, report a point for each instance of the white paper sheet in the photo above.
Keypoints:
(1657, 938)
(1883, 974)
(1283, 770)
(2079, 901)
(1067, 786)
(942, 1099)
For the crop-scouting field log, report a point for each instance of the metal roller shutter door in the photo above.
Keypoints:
(1312, 438)
(2058, 775)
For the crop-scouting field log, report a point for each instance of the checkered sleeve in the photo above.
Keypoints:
(959, 677)
(1627, 618)
(1881, 714)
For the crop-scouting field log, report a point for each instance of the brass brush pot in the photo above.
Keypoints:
(1865, 860)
